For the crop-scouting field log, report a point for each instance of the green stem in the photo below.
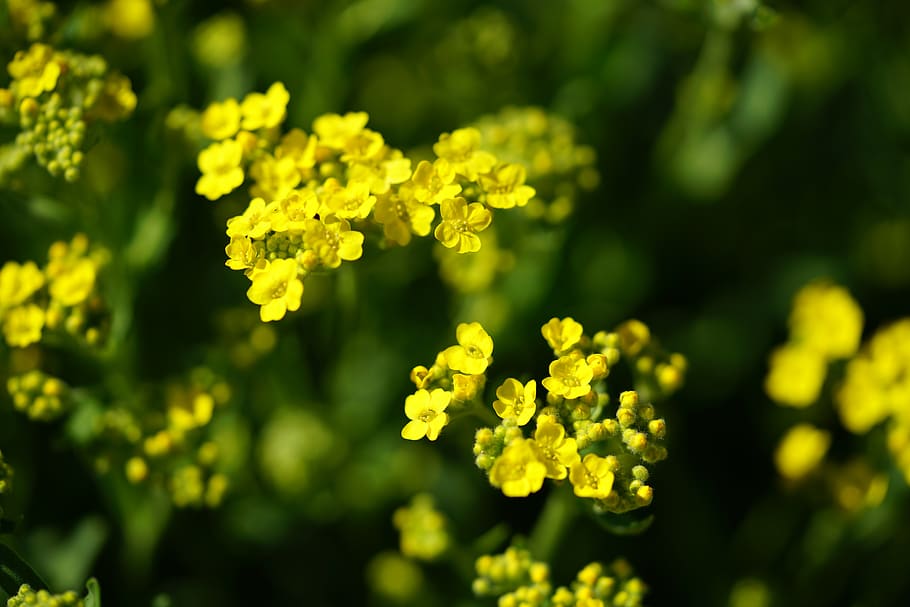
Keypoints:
(554, 520)
(14, 572)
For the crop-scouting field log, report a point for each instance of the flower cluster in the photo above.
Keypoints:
(6, 475)
(26, 597)
(61, 297)
(38, 395)
(56, 97)
(423, 529)
(826, 324)
(519, 581)
(574, 437)
(171, 446)
(316, 195)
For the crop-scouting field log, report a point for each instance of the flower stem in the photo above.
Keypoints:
(555, 518)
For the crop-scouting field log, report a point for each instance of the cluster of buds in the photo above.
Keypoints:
(57, 97)
(38, 395)
(423, 529)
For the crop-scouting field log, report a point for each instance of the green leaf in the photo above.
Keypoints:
(14, 572)
(93, 598)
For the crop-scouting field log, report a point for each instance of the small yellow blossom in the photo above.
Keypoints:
(34, 71)
(826, 319)
(800, 451)
(592, 477)
(334, 131)
(352, 201)
(291, 213)
(466, 387)
(18, 283)
(254, 223)
(462, 150)
(22, 326)
(423, 529)
(400, 217)
(516, 401)
(220, 167)
(796, 375)
(365, 146)
(221, 120)
(553, 448)
(274, 177)
(426, 410)
(241, 252)
(518, 471)
(504, 187)
(433, 183)
(276, 288)
(570, 377)
(264, 110)
(300, 147)
(474, 349)
(460, 223)
(333, 240)
(562, 334)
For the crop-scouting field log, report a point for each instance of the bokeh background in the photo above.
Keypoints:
(742, 150)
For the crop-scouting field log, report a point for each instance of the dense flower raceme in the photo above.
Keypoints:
(27, 597)
(56, 98)
(518, 580)
(573, 436)
(423, 529)
(316, 195)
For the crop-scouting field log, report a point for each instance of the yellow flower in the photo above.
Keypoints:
(130, 19)
(74, 282)
(300, 147)
(800, 451)
(220, 167)
(466, 387)
(362, 147)
(22, 326)
(433, 182)
(382, 170)
(18, 283)
(796, 375)
(826, 319)
(34, 71)
(462, 150)
(562, 334)
(570, 377)
(255, 221)
(423, 529)
(291, 212)
(351, 202)
(460, 224)
(426, 410)
(505, 188)
(274, 178)
(400, 217)
(591, 477)
(516, 401)
(473, 352)
(518, 471)
(264, 111)
(334, 131)
(333, 240)
(241, 252)
(221, 120)
(276, 288)
(553, 448)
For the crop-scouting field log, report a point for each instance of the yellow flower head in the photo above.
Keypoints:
(18, 283)
(562, 334)
(800, 451)
(264, 111)
(426, 410)
(796, 375)
(433, 182)
(570, 377)
(462, 150)
(221, 120)
(254, 223)
(518, 471)
(516, 401)
(34, 71)
(22, 326)
(592, 477)
(473, 352)
(274, 177)
(553, 448)
(276, 288)
(300, 147)
(352, 201)
(130, 19)
(291, 213)
(333, 240)
(505, 187)
(460, 224)
(400, 217)
(335, 131)
(220, 167)
(466, 387)
(825, 318)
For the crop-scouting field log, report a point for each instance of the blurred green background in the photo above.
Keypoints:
(743, 150)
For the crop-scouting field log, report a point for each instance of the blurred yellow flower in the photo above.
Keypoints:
(826, 319)
(505, 187)
(462, 150)
(264, 110)
(221, 120)
(795, 376)
(18, 283)
(220, 167)
(800, 451)
(22, 326)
